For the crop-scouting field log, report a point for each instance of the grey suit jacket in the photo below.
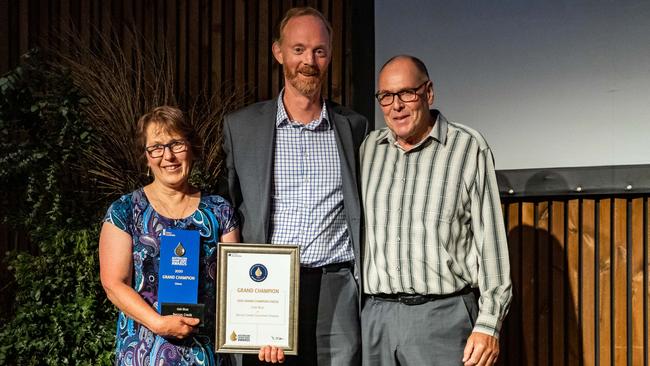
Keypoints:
(249, 135)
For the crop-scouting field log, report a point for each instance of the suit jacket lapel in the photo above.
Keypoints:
(262, 141)
(347, 153)
(344, 143)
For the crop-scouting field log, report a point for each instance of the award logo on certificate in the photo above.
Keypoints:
(178, 275)
(257, 298)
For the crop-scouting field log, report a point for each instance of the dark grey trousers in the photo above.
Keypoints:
(328, 321)
(433, 333)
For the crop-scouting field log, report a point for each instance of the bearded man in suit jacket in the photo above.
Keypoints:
(292, 164)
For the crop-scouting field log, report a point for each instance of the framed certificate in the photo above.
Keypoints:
(257, 302)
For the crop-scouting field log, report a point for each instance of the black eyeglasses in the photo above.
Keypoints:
(407, 95)
(158, 150)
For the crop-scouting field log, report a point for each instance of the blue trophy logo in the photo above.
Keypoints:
(258, 272)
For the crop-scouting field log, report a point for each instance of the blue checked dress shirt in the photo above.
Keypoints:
(307, 203)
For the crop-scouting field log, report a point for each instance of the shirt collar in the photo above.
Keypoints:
(438, 132)
(282, 117)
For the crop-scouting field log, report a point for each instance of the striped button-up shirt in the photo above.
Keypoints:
(307, 203)
(433, 219)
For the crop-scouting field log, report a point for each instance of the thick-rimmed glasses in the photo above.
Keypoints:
(407, 95)
(158, 150)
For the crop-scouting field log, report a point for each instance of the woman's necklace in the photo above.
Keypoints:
(173, 214)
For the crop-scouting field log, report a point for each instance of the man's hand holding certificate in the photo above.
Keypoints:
(258, 297)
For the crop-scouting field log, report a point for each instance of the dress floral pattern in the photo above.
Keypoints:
(136, 344)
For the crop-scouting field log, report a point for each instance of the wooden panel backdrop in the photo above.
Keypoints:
(215, 41)
(580, 275)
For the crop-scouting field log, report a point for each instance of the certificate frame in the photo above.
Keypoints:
(273, 254)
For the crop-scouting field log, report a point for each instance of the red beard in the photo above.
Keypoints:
(306, 79)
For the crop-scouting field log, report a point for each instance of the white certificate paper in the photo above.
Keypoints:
(258, 294)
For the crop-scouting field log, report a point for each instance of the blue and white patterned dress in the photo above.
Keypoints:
(136, 344)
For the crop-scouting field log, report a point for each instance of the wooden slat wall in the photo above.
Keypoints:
(216, 42)
(580, 276)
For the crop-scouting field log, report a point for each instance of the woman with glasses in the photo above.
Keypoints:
(130, 242)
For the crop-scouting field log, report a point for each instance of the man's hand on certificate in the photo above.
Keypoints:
(271, 354)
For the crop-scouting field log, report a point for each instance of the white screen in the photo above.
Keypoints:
(548, 83)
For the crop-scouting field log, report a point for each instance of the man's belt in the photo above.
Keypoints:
(415, 299)
(334, 267)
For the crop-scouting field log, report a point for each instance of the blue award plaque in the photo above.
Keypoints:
(178, 274)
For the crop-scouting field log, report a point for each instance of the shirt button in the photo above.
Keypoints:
(398, 239)
(397, 268)
(403, 180)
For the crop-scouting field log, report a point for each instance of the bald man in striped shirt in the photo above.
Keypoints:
(435, 260)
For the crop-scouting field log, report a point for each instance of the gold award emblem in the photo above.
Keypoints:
(179, 250)
(258, 272)
(233, 336)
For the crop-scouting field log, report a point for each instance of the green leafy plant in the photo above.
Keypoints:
(43, 137)
(59, 313)
(62, 316)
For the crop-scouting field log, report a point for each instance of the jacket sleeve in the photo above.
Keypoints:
(233, 192)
